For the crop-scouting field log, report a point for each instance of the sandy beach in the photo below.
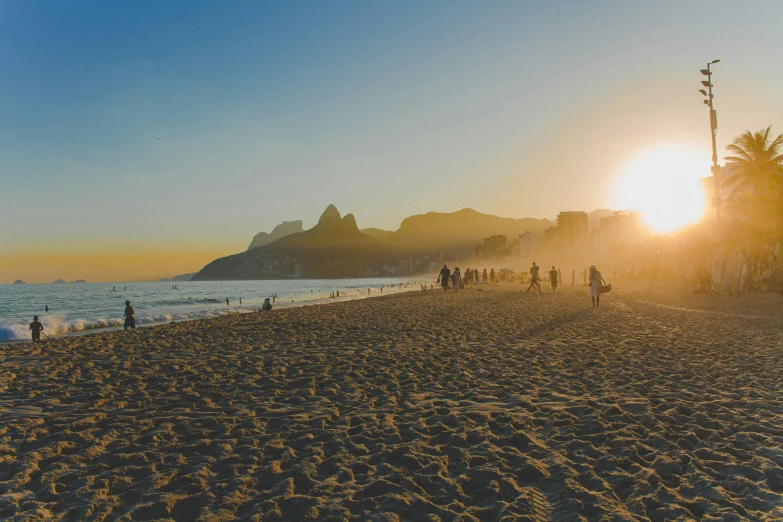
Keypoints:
(482, 405)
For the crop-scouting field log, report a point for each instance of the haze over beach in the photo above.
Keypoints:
(391, 261)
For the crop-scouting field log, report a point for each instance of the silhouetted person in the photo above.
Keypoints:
(573, 277)
(455, 278)
(36, 327)
(47, 308)
(443, 277)
(492, 275)
(559, 276)
(596, 279)
(584, 276)
(267, 305)
(130, 321)
(553, 278)
(484, 278)
(228, 303)
(534, 278)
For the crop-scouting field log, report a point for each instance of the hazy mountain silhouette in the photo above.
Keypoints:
(286, 228)
(333, 248)
(458, 232)
(377, 233)
(183, 277)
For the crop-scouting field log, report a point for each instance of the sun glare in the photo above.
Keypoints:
(664, 185)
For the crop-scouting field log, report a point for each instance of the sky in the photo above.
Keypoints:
(143, 139)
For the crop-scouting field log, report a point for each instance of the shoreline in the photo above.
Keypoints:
(236, 309)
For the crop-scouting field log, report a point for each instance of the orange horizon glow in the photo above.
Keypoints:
(45, 265)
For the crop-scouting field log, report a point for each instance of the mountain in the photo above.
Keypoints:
(377, 233)
(286, 228)
(457, 233)
(333, 248)
(183, 277)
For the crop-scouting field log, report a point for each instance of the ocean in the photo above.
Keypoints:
(84, 307)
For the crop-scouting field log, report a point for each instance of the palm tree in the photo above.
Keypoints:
(756, 185)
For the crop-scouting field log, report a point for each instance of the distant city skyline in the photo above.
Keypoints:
(141, 140)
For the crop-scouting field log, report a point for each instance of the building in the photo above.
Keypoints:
(552, 241)
(495, 246)
(527, 244)
(298, 271)
(572, 230)
(620, 228)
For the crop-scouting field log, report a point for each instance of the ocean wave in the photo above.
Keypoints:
(54, 326)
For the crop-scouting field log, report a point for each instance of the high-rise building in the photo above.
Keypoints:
(572, 230)
(527, 244)
(494, 245)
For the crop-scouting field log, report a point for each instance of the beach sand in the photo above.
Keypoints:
(482, 405)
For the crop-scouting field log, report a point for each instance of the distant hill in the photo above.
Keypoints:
(377, 233)
(19, 282)
(183, 277)
(286, 228)
(458, 232)
(333, 248)
(59, 282)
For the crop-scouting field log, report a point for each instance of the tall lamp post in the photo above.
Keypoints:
(708, 101)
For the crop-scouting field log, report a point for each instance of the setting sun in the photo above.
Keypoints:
(664, 185)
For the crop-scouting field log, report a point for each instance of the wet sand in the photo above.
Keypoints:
(484, 405)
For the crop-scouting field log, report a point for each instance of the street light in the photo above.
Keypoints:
(713, 130)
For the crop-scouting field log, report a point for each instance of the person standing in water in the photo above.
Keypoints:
(443, 278)
(553, 274)
(36, 327)
(534, 278)
(130, 321)
(596, 279)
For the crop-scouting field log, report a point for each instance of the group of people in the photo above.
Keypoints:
(456, 280)
(593, 278)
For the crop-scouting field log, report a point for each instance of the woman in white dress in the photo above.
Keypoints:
(596, 279)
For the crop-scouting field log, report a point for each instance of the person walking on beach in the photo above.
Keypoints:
(130, 321)
(553, 275)
(534, 279)
(573, 277)
(596, 280)
(455, 278)
(584, 276)
(36, 327)
(484, 278)
(492, 275)
(443, 278)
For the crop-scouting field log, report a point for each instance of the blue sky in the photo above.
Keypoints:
(187, 127)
